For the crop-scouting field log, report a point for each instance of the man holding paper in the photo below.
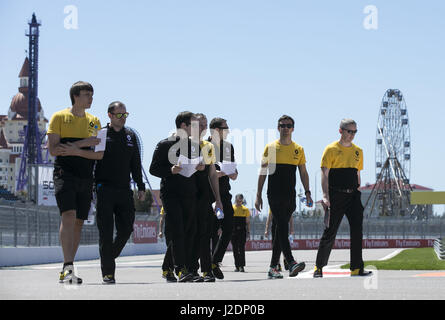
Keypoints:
(115, 203)
(225, 157)
(179, 192)
(208, 184)
(71, 136)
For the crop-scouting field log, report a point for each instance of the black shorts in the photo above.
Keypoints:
(73, 193)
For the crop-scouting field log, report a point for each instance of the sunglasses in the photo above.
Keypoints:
(120, 115)
(223, 128)
(350, 131)
(286, 125)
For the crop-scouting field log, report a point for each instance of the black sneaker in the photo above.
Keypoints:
(217, 271)
(208, 277)
(108, 279)
(318, 273)
(360, 273)
(295, 267)
(236, 269)
(241, 269)
(197, 277)
(185, 276)
(169, 276)
(286, 265)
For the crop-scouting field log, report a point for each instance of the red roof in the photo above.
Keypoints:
(381, 186)
(3, 141)
(19, 104)
(24, 72)
(12, 157)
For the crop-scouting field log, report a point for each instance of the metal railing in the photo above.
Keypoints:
(30, 226)
(439, 248)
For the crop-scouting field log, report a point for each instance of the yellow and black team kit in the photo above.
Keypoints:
(239, 236)
(73, 175)
(344, 164)
(282, 161)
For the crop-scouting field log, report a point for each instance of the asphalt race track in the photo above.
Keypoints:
(139, 278)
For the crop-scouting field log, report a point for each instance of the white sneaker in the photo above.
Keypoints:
(68, 276)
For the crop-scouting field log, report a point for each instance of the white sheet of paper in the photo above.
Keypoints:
(227, 167)
(102, 135)
(188, 165)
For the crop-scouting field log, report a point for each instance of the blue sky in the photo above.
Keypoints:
(246, 61)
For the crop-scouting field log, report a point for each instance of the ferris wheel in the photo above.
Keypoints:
(390, 195)
(393, 142)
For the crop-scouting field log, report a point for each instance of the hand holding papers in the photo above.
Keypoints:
(227, 167)
(188, 165)
(102, 135)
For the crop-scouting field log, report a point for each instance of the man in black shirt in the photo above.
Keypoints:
(224, 152)
(208, 184)
(178, 193)
(114, 195)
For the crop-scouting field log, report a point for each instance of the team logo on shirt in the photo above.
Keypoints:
(357, 156)
(129, 143)
(296, 154)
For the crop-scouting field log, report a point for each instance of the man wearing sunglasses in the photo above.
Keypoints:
(115, 204)
(341, 164)
(224, 151)
(280, 161)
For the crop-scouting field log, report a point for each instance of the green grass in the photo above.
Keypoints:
(409, 259)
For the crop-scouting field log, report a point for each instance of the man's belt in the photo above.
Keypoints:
(343, 190)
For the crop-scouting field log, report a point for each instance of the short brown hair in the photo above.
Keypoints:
(79, 86)
(286, 117)
(184, 117)
(217, 123)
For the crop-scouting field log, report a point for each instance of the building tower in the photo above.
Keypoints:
(32, 154)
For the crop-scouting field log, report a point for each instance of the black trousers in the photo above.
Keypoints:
(201, 246)
(227, 228)
(180, 221)
(239, 243)
(282, 209)
(348, 204)
(168, 263)
(114, 206)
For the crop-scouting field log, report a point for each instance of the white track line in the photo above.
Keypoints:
(392, 254)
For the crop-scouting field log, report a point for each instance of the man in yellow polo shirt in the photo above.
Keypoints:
(281, 159)
(241, 230)
(71, 136)
(341, 164)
